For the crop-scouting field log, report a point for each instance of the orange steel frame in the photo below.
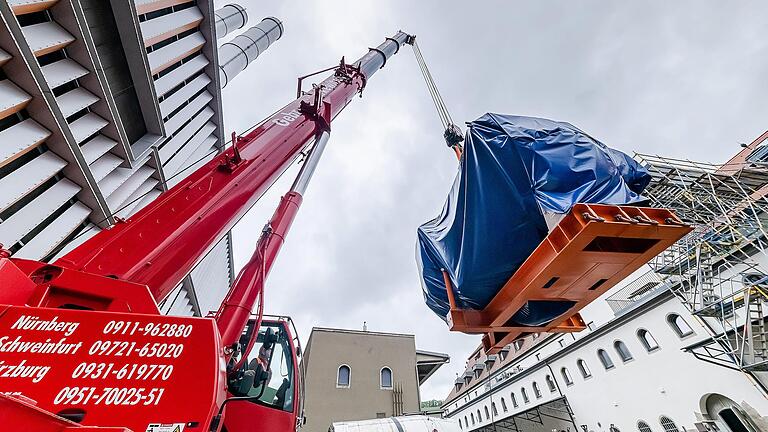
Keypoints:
(592, 249)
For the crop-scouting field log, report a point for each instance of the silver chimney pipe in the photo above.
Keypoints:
(237, 54)
(230, 18)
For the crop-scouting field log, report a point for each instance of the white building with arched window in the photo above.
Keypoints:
(633, 375)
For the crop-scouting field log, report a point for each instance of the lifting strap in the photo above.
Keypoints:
(451, 132)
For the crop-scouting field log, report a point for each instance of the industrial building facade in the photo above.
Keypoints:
(360, 375)
(103, 106)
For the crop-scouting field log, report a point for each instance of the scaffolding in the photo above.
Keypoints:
(717, 270)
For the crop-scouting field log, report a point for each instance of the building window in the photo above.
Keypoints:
(643, 426)
(386, 378)
(678, 324)
(514, 399)
(566, 376)
(585, 373)
(479, 417)
(343, 376)
(487, 416)
(605, 359)
(517, 344)
(649, 343)
(493, 409)
(525, 395)
(668, 425)
(460, 425)
(472, 416)
(466, 422)
(503, 405)
(536, 390)
(623, 351)
(551, 384)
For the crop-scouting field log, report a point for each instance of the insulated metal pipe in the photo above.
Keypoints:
(237, 54)
(230, 18)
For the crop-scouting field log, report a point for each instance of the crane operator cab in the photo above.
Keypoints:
(269, 376)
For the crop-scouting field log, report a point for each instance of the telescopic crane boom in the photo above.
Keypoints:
(89, 327)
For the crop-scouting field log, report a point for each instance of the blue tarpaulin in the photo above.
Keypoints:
(514, 170)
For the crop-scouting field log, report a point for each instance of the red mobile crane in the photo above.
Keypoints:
(83, 346)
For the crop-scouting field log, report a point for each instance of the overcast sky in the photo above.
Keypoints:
(681, 79)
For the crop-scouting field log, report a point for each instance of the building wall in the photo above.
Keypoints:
(366, 353)
(666, 381)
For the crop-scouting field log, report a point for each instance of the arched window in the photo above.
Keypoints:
(668, 425)
(343, 376)
(460, 425)
(503, 405)
(493, 409)
(536, 390)
(479, 417)
(623, 351)
(551, 384)
(487, 416)
(472, 416)
(466, 422)
(679, 325)
(566, 376)
(605, 359)
(643, 426)
(514, 399)
(585, 373)
(386, 378)
(646, 338)
(525, 395)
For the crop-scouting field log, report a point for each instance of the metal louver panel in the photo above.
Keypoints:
(4, 57)
(174, 123)
(86, 126)
(146, 6)
(76, 100)
(210, 278)
(162, 58)
(178, 303)
(148, 198)
(31, 215)
(96, 147)
(104, 165)
(46, 37)
(167, 82)
(188, 131)
(19, 139)
(12, 98)
(199, 155)
(129, 186)
(21, 7)
(63, 71)
(79, 239)
(28, 177)
(132, 202)
(166, 26)
(51, 236)
(182, 95)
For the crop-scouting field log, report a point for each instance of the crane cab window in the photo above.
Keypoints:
(277, 390)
